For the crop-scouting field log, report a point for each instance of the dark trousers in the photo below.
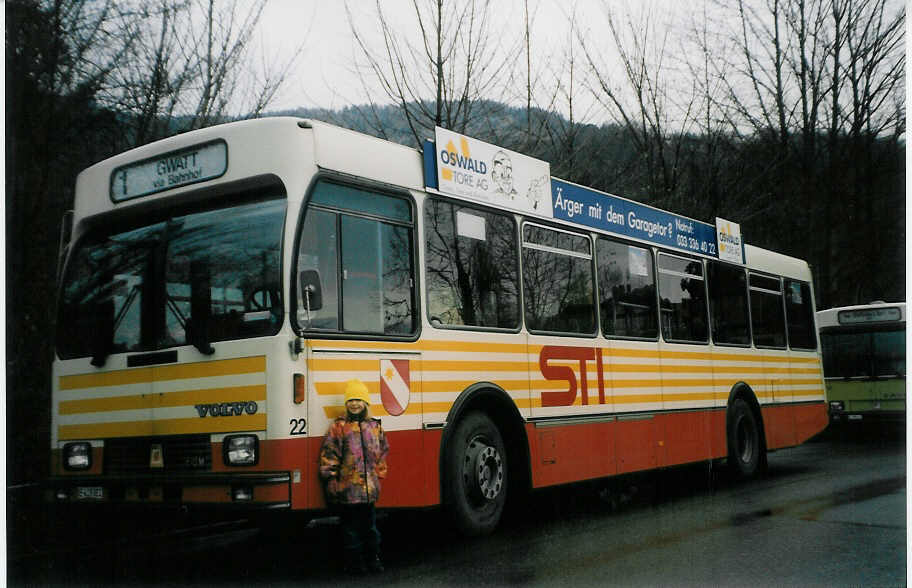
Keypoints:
(359, 530)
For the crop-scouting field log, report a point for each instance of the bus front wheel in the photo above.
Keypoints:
(745, 444)
(476, 474)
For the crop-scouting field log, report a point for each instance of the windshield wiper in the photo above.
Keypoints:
(196, 328)
(103, 337)
(200, 306)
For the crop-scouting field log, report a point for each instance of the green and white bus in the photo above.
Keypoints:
(864, 361)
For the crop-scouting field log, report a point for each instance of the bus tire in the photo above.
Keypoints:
(745, 443)
(476, 474)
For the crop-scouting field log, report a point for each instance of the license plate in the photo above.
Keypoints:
(89, 493)
(855, 417)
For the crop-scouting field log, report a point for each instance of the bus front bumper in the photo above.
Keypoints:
(839, 414)
(253, 490)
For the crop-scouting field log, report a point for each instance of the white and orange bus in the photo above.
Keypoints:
(515, 331)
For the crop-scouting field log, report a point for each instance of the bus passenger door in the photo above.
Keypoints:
(393, 380)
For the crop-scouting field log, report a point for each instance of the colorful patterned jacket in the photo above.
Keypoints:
(353, 461)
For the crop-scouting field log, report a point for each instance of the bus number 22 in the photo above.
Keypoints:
(298, 426)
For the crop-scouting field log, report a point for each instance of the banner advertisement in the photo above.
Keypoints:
(487, 173)
(616, 215)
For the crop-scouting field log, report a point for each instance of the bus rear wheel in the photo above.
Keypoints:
(476, 474)
(745, 443)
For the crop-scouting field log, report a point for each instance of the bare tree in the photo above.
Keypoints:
(824, 80)
(655, 115)
(571, 152)
(190, 65)
(456, 61)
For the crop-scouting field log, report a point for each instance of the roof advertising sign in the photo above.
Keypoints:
(487, 173)
(616, 215)
(469, 168)
(731, 246)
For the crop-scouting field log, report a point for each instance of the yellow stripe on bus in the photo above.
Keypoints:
(118, 378)
(182, 398)
(203, 369)
(414, 408)
(206, 369)
(255, 422)
(476, 366)
(457, 386)
(344, 365)
(458, 366)
(425, 345)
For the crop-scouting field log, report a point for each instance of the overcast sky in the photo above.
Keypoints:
(325, 75)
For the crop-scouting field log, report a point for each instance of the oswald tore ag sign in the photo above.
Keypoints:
(487, 173)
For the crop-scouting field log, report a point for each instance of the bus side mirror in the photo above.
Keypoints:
(311, 293)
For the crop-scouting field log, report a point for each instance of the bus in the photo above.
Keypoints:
(515, 331)
(864, 362)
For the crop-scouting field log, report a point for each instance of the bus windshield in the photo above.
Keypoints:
(864, 354)
(187, 279)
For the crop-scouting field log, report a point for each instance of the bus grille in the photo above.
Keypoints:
(178, 453)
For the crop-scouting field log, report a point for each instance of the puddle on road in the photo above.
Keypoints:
(810, 509)
(855, 495)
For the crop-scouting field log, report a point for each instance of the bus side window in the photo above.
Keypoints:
(767, 314)
(360, 244)
(799, 313)
(558, 284)
(627, 290)
(376, 277)
(728, 307)
(471, 257)
(889, 353)
(683, 299)
(317, 253)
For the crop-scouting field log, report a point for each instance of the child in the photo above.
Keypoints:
(352, 463)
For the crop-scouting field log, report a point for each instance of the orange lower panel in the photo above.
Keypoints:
(568, 453)
(787, 426)
(413, 465)
(810, 419)
(559, 454)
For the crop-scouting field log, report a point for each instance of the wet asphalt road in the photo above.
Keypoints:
(829, 513)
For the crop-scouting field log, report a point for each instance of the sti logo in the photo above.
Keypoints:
(566, 374)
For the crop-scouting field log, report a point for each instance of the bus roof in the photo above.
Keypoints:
(854, 316)
(875, 313)
(260, 148)
(253, 147)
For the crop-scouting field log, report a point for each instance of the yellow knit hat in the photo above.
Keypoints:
(356, 390)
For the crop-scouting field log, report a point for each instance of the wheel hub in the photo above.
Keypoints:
(745, 436)
(484, 472)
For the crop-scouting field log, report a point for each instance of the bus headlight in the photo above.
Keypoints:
(241, 450)
(77, 456)
(837, 406)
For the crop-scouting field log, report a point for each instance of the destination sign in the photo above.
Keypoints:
(170, 170)
(870, 315)
(598, 210)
